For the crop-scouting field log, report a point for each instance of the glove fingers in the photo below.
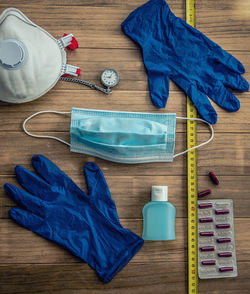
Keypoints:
(95, 179)
(159, 88)
(229, 61)
(27, 219)
(203, 105)
(98, 188)
(53, 175)
(31, 182)
(224, 98)
(25, 199)
(48, 170)
(236, 81)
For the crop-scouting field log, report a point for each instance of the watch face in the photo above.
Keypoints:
(110, 77)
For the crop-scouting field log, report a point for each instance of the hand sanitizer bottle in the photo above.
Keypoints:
(159, 216)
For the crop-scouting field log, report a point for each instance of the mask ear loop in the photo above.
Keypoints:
(202, 144)
(44, 136)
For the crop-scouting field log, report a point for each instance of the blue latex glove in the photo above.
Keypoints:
(85, 224)
(174, 50)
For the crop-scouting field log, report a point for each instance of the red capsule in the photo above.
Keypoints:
(226, 269)
(206, 220)
(223, 226)
(207, 248)
(206, 234)
(204, 193)
(205, 205)
(213, 178)
(222, 211)
(208, 262)
(225, 254)
(223, 240)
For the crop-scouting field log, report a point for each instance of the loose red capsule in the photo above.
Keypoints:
(213, 178)
(204, 193)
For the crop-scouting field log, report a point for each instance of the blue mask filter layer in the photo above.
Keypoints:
(126, 137)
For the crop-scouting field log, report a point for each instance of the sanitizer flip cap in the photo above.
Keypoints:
(31, 60)
(159, 193)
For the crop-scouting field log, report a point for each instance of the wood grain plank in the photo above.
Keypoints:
(79, 278)
(231, 158)
(18, 245)
(95, 26)
(131, 193)
(144, 278)
(80, 4)
(134, 101)
(141, 278)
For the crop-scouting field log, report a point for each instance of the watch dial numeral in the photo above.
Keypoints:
(110, 78)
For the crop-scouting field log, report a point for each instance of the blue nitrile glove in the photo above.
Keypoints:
(174, 50)
(85, 224)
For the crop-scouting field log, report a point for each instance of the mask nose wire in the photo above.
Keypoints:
(202, 144)
(44, 136)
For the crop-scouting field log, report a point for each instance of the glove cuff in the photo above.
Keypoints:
(122, 258)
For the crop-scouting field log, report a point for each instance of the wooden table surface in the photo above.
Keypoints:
(31, 264)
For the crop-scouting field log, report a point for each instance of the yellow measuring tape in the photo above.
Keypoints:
(192, 179)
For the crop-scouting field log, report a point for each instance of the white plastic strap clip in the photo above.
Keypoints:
(71, 70)
(66, 40)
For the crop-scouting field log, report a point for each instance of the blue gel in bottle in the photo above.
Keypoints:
(159, 216)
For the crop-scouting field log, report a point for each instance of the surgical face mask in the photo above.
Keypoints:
(125, 137)
(31, 60)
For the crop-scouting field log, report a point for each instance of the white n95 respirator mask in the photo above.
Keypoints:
(31, 60)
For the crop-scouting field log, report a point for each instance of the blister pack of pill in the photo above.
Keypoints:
(216, 243)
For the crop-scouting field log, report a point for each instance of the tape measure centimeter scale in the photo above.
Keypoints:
(192, 179)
